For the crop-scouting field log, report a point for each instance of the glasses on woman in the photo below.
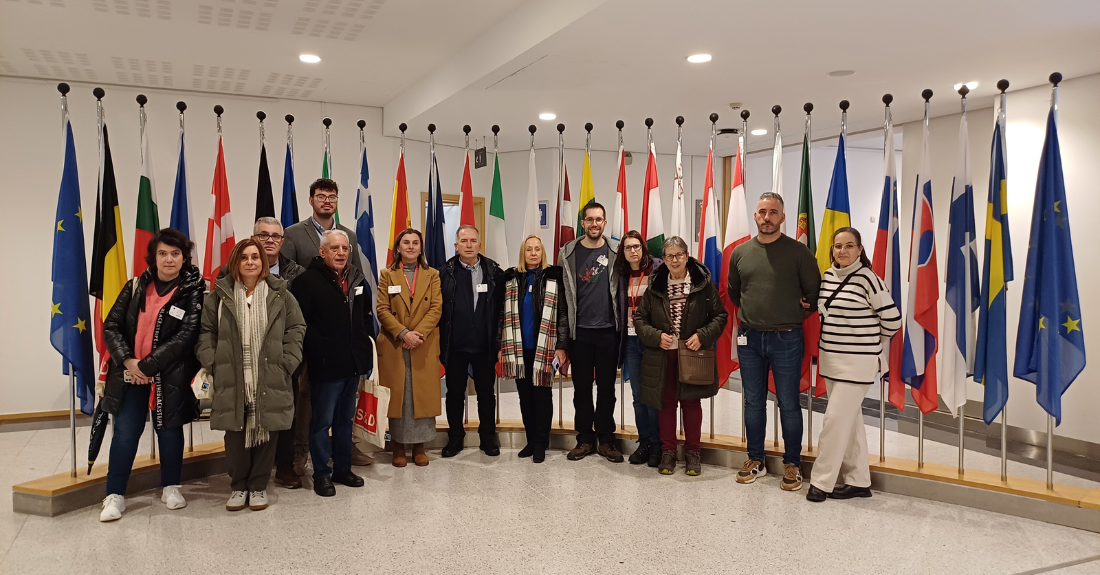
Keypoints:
(848, 247)
(633, 248)
(676, 257)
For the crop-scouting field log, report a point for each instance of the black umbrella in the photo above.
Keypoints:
(99, 428)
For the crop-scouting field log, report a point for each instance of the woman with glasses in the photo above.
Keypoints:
(634, 266)
(681, 306)
(858, 317)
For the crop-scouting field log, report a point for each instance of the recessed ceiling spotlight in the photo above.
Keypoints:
(969, 85)
(547, 116)
(759, 132)
(699, 58)
(841, 73)
(309, 58)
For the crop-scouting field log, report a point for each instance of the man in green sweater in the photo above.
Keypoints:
(773, 279)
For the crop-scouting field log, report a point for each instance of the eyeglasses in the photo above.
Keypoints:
(594, 220)
(269, 237)
(848, 247)
(325, 197)
(633, 248)
(676, 257)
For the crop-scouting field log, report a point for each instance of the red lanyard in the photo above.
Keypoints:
(634, 294)
(412, 286)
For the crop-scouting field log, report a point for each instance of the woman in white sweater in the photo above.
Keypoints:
(858, 317)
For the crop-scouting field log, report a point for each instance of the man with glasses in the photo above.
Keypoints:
(302, 243)
(591, 334)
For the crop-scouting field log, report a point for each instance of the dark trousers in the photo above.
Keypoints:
(645, 417)
(536, 405)
(284, 445)
(129, 425)
(692, 409)
(250, 467)
(594, 354)
(333, 408)
(780, 351)
(459, 365)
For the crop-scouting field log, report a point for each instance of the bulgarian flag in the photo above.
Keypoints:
(399, 217)
(219, 227)
(653, 226)
(496, 232)
(588, 192)
(147, 223)
(621, 224)
(466, 196)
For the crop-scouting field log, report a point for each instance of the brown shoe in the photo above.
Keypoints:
(610, 452)
(792, 477)
(419, 457)
(399, 458)
(751, 470)
(580, 451)
(358, 458)
(287, 478)
(301, 452)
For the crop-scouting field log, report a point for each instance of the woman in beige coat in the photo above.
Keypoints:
(409, 307)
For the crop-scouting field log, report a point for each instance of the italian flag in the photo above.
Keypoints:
(497, 235)
(653, 226)
(148, 219)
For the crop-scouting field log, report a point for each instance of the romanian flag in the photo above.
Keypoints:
(588, 192)
(148, 217)
(219, 226)
(108, 253)
(399, 217)
(836, 209)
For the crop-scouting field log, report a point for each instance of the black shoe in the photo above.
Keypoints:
(539, 455)
(490, 450)
(323, 486)
(816, 495)
(654, 455)
(848, 492)
(527, 451)
(640, 455)
(347, 478)
(452, 448)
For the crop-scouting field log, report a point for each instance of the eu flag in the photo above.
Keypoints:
(70, 317)
(1050, 346)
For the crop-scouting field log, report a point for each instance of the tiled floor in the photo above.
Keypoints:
(478, 514)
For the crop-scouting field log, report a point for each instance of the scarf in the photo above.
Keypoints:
(512, 337)
(252, 324)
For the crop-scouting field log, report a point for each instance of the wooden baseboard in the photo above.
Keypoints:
(38, 416)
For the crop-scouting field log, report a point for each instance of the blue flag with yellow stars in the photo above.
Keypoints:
(1050, 346)
(70, 318)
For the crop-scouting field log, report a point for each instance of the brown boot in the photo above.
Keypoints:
(419, 457)
(287, 478)
(358, 458)
(301, 452)
(399, 458)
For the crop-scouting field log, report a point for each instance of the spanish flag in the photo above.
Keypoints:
(399, 217)
(108, 253)
(836, 209)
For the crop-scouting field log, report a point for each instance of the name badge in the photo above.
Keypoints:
(631, 331)
(175, 312)
(529, 289)
(742, 340)
(359, 290)
(395, 289)
(482, 288)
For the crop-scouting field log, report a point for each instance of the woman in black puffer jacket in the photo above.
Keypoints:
(150, 333)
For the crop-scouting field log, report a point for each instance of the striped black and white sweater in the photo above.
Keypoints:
(856, 325)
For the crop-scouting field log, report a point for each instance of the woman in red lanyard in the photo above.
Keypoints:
(634, 265)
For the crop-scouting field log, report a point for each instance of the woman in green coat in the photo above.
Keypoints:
(250, 342)
(681, 304)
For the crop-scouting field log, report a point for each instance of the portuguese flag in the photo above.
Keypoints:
(147, 223)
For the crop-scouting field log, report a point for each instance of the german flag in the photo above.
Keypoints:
(108, 253)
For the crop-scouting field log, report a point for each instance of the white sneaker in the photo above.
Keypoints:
(172, 498)
(113, 506)
(257, 500)
(237, 500)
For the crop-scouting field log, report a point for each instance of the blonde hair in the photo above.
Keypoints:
(522, 266)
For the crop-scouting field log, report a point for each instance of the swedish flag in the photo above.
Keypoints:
(1050, 343)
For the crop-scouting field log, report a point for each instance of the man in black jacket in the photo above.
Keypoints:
(337, 309)
(469, 337)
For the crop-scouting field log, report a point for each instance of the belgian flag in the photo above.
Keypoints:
(108, 253)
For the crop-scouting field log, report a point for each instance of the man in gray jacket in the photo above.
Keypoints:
(592, 337)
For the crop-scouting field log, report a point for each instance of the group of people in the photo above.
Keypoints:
(284, 335)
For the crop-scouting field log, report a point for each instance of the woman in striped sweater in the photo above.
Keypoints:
(858, 317)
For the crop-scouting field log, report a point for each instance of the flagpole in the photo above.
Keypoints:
(290, 137)
(64, 89)
(776, 110)
(1002, 85)
(1055, 79)
(963, 91)
(809, 107)
(713, 137)
(744, 154)
(927, 95)
(466, 392)
(887, 148)
(327, 144)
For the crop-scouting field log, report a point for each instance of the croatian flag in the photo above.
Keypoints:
(709, 254)
(887, 265)
(737, 233)
(918, 361)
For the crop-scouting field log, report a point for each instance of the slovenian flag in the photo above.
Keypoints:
(887, 265)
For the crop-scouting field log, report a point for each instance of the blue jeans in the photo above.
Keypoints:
(645, 417)
(782, 352)
(333, 407)
(129, 425)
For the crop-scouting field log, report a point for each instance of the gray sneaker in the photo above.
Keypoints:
(257, 500)
(237, 500)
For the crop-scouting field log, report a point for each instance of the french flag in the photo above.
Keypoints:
(918, 358)
(887, 265)
(709, 254)
(737, 233)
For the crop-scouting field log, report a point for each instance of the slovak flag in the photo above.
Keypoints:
(219, 227)
(918, 361)
(709, 254)
(737, 233)
(887, 265)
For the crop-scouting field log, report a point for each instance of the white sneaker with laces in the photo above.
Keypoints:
(237, 500)
(113, 506)
(172, 498)
(257, 500)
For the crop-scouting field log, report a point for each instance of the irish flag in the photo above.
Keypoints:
(148, 219)
(219, 227)
(496, 236)
(653, 225)
(399, 216)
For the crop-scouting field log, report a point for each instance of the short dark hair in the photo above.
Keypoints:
(593, 205)
(323, 184)
(773, 196)
(171, 237)
(622, 267)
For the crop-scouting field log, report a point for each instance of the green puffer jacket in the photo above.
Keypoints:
(220, 351)
(704, 314)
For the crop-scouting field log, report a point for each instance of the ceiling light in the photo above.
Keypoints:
(969, 86)
(547, 116)
(841, 73)
(759, 132)
(699, 58)
(309, 58)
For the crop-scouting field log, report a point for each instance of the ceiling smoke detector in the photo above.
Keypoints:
(841, 73)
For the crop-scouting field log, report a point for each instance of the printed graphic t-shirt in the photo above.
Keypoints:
(593, 288)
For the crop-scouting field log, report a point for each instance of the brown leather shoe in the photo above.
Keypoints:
(610, 452)
(399, 458)
(580, 451)
(419, 457)
(287, 478)
(358, 458)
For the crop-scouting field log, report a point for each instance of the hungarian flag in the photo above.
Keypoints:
(837, 209)
(621, 223)
(288, 215)
(588, 191)
(680, 226)
(466, 195)
(887, 265)
(563, 230)
(531, 225)
(108, 253)
(738, 231)
(496, 232)
(811, 326)
(653, 225)
(147, 223)
(219, 227)
(399, 216)
(265, 198)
